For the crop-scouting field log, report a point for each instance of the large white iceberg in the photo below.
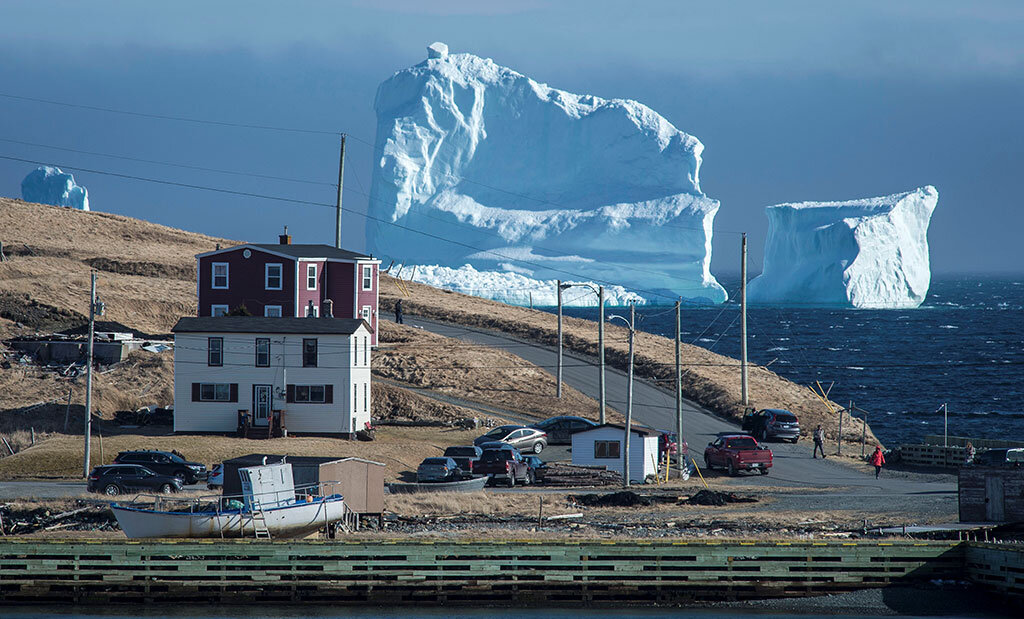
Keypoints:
(870, 253)
(515, 288)
(49, 185)
(477, 163)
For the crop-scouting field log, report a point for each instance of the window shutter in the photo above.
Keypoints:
(328, 394)
(234, 393)
(195, 392)
(290, 397)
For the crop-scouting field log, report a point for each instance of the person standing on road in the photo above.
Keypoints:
(398, 312)
(819, 442)
(877, 460)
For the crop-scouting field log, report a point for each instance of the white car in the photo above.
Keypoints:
(216, 478)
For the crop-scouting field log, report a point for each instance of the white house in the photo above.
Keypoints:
(315, 370)
(602, 446)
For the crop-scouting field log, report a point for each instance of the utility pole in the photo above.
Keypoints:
(94, 308)
(341, 184)
(743, 323)
(945, 425)
(600, 349)
(680, 463)
(629, 392)
(558, 378)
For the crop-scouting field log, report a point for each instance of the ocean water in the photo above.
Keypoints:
(964, 347)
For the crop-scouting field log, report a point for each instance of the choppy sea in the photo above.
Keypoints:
(963, 347)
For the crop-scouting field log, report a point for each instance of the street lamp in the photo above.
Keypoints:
(599, 291)
(631, 325)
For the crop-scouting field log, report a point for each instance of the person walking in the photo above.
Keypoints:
(398, 312)
(877, 460)
(819, 442)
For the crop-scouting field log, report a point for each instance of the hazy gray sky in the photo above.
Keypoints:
(793, 100)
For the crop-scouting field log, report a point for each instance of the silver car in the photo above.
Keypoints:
(521, 437)
(438, 469)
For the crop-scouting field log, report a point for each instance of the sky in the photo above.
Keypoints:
(793, 100)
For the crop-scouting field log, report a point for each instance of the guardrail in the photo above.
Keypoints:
(452, 572)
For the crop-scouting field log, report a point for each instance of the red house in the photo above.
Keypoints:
(288, 280)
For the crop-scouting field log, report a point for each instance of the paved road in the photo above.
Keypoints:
(655, 407)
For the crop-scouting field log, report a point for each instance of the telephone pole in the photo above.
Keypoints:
(680, 463)
(629, 392)
(341, 184)
(94, 308)
(600, 350)
(743, 323)
(558, 378)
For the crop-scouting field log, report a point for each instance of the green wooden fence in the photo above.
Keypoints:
(452, 572)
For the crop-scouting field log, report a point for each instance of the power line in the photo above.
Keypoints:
(168, 163)
(200, 121)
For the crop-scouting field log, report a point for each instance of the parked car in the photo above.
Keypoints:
(438, 469)
(772, 423)
(505, 464)
(1000, 457)
(520, 437)
(166, 463)
(114, 479)
(465, 456)
(216, 477)
(738, 452)
(560, 429)
(538, 467)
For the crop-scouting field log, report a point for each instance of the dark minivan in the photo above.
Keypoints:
(165, 463)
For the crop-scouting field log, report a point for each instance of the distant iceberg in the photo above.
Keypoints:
(509, 174)
(870, 253)
(49, 185)
(515, 288)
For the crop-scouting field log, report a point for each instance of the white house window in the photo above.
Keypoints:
(310, 277)
(310, 393)
(215, 351)
(215, 392)
(366, 397)
(218, 310)
(272, 311)
(606, 450)
(220, 275)
(263, 352)
(273, 276)
(366, 351)
(309, 352)
(366, 313)
(356, 340)
(368, 277)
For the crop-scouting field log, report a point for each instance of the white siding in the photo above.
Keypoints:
(643, 452)
(336, 365)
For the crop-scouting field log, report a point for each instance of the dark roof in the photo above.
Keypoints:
(635, 429)
(262, 324)
(311, 251)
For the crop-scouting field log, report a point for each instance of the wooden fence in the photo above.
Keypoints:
(455, 572)
(933, 455)
(998, 567)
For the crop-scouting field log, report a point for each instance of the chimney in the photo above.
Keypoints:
(309, 309)
(284, 239)
(328, 308)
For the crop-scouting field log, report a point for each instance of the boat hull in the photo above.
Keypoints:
(295, 520)
(475, 484)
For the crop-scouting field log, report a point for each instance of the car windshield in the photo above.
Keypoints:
(175, 458)
(500, 431)
(743, 443)
(436, 461)
(497, 454)
(460, 451)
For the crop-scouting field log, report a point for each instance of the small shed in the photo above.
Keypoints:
(602, 445)
(360, 481)
(991, 494)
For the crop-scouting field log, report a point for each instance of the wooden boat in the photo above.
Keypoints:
(466, 485)
(268, 508)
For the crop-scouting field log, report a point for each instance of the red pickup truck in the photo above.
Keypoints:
(504, 464)
(738, 452)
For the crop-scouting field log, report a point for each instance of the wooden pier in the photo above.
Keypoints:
(524, 572)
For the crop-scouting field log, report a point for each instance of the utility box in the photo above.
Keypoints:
(991, 494)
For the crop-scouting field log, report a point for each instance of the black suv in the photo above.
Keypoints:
(114, 479)
(165, 463)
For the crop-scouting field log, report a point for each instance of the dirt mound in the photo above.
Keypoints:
(625, 498)
(712, 497)
(142, 268)
(20, 308)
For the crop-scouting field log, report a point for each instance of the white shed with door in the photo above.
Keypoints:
(603, 446)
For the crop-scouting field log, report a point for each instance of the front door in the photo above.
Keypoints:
(995, 499)
(262, 401)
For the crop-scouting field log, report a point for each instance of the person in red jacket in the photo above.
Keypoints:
(877, 459)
